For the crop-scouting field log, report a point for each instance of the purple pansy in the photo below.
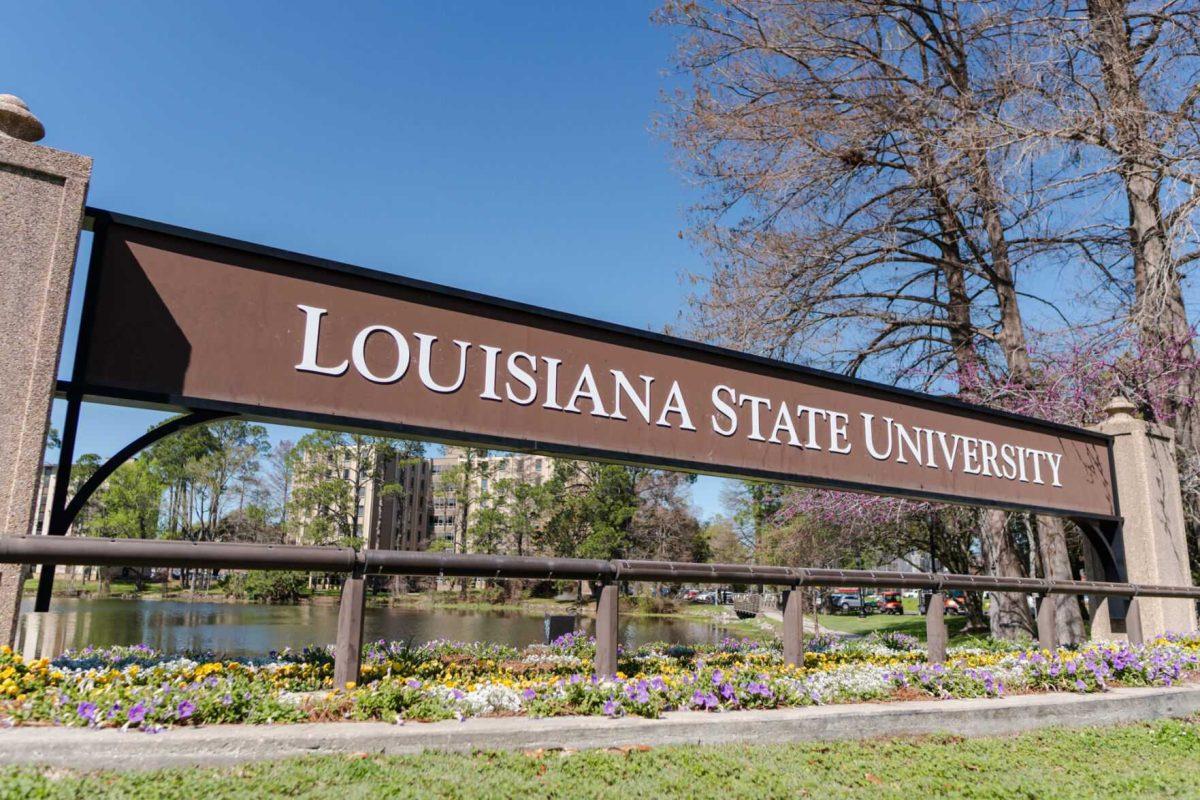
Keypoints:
(186, 709)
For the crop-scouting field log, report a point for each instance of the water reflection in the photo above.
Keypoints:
(238, 629)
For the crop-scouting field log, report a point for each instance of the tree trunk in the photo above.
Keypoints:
(1056, 563)
(1159, 311)
(1009, 614)
(1051, 535)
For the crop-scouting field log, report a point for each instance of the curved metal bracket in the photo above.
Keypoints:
(60, 523)
(1103, 539)
(63, 514)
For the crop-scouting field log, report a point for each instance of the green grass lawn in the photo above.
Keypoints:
(1155, 760)
(910, 623)
(62, 585)
(118, 588)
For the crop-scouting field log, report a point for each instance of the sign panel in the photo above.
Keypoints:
(184, 319)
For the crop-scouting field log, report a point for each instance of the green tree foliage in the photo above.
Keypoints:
(263, 586)
(526, 507)
(490, 525)
(251, 523)
(332, 472)
(723, 543)
(508, 515)
(207, 471)
(129, 508)
(753, 506)
(83, 469)
(457, 484)
(592, 510)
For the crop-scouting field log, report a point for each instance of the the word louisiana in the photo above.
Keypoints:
(527, 379)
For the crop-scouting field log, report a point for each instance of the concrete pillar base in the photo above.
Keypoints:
(42, 194)
(1148, 492)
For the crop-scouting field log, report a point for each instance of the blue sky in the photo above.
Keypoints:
(504, 148)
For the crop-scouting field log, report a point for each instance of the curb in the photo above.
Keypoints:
(221, 745)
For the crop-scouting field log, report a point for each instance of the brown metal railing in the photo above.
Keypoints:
(358, 564)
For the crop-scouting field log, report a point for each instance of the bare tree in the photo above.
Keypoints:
(280, 478)
(1118, 83)
(858, 198)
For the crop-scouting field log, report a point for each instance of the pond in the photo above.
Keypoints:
(244, 629)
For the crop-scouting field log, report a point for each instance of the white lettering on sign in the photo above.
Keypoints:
(886, 439)
(612, 394)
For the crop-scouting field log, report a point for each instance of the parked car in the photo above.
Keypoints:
(846, 600)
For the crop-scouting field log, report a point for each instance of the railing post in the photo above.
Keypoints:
(793, 627)
(935, 628)
(1047, 623)
(347, 659)
(54, 637)
(33, 635)
(1133, 622)
(606, 631)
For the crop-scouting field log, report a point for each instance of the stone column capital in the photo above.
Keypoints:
(1120, 408)
(17, 121)
(1120, 421)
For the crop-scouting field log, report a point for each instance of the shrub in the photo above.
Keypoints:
(649, 604)
(494, 595)
(268, 587)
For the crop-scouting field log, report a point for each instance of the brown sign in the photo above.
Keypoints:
(189, 320)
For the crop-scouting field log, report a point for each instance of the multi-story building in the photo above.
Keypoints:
(916, 561)
(386, 519)
(41, 516)
(484, 475)
(402, 519)
(426, 508)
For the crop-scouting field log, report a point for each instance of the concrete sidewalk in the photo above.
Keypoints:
(230, 744)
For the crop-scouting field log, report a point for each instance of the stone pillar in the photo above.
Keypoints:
(1153, 530)
(347, 656)
(793, 627)
(1047, 624)
(936, 635)
(607, 629)
(42, 194)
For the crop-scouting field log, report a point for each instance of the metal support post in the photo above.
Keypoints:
(793, 627)
(606, 631)
(348, 655)
(1047, 623)
(1133, 622)
(935, 628)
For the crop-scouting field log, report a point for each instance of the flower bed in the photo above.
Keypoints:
(139, 688)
